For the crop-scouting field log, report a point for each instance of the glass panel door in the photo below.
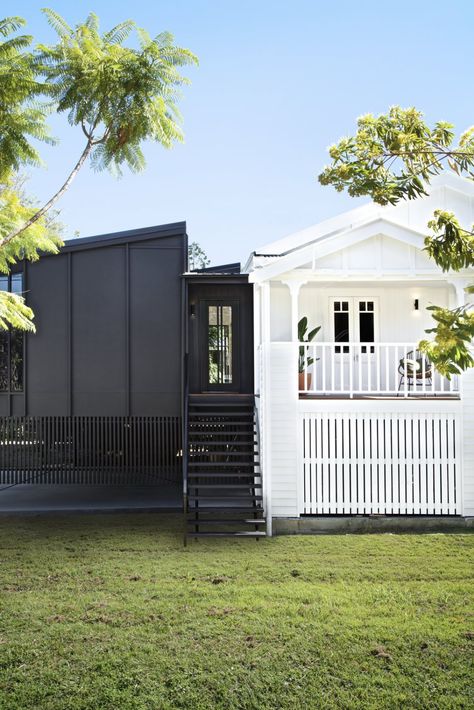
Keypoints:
(365, 324)
(342, 325)
(219, 345)
(353, 320)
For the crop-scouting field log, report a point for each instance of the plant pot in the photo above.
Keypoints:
(304, 381)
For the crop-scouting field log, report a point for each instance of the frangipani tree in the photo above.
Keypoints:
(393, 157)
(118, 96)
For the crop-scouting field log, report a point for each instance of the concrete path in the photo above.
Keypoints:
(87, 499)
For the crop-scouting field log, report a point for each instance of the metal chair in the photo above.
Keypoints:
(415, 369)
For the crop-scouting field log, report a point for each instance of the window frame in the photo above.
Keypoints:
(8, 339)
(206, 386)
(354, 327)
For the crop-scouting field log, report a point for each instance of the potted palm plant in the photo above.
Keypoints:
(305, 361)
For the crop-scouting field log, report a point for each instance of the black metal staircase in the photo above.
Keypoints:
(223, 485)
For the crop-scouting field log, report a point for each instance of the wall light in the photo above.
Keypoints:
(416, 304)
(192, 310)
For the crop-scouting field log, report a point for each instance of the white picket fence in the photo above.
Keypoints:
(374, 463)
(376, 369)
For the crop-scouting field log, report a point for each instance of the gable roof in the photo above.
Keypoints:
(405, 222)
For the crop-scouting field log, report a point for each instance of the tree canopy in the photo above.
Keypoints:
(197, 257)
(118, 96)
(393, 157)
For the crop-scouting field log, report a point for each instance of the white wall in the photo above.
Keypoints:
(280, 425)
(468, 447)
(398, 321)
(378, 253)
(280, 317)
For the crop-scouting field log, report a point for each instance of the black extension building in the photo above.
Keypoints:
(138, 372)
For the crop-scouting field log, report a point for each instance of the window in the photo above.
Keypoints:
(11, 344)
(219, 345)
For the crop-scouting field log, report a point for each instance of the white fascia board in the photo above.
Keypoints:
(355, 217)
(334, 225)
(454, 182)
(334, 276)
(312, 252)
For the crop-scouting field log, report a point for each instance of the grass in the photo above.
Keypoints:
(111, 611)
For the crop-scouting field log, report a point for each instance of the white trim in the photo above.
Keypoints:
(375, 276)
(359, 215)
(378, 405)
(265, 404)
(349, 237)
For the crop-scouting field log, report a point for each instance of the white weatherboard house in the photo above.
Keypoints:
(370, 427)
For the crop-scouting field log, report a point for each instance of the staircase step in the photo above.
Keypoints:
(218, 398)
(223, 454)
(225, 521)
(244, 440)
(229, 510)
(226, 442)
(221, 419)
(216, 457)
(207, 428)
(221, 414)
(224, 500)
(238, 533)
(226, 474)
(213, 403)
(222, 428)
(224, 486)
(224, 464)
(221, 410)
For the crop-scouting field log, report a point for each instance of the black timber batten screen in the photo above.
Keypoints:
(90, 450)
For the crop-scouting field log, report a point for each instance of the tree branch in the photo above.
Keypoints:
(83, 157)
(444, 153)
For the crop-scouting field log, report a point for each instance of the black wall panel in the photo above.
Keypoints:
(155, 329)
(108, 320)
(99, 335)
(46, 364)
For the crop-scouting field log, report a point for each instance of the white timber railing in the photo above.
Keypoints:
(351, 369)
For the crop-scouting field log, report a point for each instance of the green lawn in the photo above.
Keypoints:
(111, 611)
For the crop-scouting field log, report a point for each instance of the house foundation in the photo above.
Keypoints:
(354, 524)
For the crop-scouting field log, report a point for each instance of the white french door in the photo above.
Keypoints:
(353, 327)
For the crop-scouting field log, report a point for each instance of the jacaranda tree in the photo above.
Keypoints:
(117, 95)
(393, 157)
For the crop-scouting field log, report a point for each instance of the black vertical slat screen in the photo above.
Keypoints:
(90, 450)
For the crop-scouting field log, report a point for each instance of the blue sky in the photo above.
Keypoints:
(277, 83)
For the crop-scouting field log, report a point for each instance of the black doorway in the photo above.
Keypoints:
(220, 337)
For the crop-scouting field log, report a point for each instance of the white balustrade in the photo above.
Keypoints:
(371, 369)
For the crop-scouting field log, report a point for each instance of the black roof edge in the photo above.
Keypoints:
(142, 234)
(233, 268)
(197, 277)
